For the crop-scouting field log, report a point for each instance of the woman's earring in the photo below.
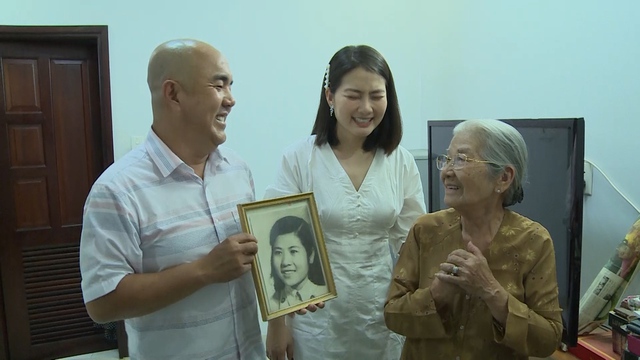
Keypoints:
(498, 191)
(330, 110)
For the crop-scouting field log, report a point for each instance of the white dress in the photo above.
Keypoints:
(361, 230)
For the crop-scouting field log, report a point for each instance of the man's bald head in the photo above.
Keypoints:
(178, 60)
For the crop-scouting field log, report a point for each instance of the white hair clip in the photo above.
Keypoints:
(326, 77)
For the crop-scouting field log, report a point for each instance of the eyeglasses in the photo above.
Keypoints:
(458, 161)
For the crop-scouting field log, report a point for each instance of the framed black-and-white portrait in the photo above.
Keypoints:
(291, 269)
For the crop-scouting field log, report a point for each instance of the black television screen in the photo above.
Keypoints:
(553, 195)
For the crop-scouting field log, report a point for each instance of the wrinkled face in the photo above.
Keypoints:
(207, 101)
(290, 259)
(471, 185)
(359, 104)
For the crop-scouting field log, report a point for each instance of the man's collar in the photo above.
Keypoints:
(167, 161)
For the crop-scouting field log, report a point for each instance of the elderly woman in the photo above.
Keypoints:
(477, 281)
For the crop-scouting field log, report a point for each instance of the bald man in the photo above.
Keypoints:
(161, 244)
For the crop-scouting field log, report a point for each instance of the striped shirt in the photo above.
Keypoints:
(148, 212)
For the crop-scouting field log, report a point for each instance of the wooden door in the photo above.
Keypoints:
(52, 148)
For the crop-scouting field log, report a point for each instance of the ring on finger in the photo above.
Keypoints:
(454, 270)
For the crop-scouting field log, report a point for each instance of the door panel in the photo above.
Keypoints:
(25, 145)
(51, 151)
(73, 136)
(21, 85)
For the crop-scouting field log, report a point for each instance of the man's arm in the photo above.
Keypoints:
(142, 294)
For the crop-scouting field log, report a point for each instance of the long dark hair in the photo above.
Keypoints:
(300, 228)
(388, 134)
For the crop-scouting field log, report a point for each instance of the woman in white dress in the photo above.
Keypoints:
(368, 192)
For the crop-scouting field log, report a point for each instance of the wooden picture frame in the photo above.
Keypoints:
(291, 269)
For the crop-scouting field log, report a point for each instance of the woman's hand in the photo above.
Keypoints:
(279, 340)
(470, 271)
(443, 292)
(310, 307)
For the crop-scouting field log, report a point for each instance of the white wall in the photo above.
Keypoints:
(451, 60)
(278, 51)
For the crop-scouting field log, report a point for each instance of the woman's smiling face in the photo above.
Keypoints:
(470, 185)
(290, 259)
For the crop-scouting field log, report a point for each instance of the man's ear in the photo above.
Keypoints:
(170, 91)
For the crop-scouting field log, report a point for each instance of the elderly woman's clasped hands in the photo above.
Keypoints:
(469, 270)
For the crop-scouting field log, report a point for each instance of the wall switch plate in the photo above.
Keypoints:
(588, 178)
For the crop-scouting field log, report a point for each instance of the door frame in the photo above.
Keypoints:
(4, 345)
(97, 37)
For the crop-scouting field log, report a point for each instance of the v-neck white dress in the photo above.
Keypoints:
(361, 229)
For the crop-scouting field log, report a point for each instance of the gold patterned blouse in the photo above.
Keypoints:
(522, 260)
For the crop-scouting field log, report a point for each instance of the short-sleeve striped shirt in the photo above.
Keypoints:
(148, 212)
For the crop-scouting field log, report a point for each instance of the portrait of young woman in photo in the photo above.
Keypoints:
(296, 268)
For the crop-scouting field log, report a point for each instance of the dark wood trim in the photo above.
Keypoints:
(4, 346)
(97, 35)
